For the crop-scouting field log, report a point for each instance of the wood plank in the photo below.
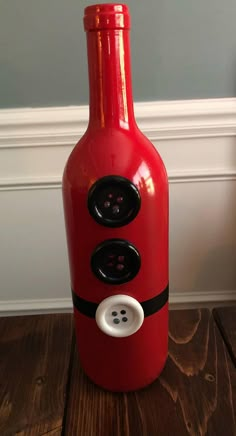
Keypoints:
(34, 359)
(37, 431)
(226, 320)
(195, 394)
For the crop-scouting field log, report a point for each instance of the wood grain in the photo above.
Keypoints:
(195, 394)
(34, 360)
(226, 320)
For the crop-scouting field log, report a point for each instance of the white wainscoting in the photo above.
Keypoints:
(197, 140)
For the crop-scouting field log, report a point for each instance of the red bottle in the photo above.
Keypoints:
(115, 193)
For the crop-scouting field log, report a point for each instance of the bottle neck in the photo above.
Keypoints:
(111, 101)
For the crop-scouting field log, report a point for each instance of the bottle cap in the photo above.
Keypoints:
(106, 16)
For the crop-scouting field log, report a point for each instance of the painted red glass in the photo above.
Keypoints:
(115, 194)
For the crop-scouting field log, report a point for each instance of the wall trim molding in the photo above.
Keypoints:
(49, 134)
(177, 300)
(197, 141)
(55, 126)
(51, 182)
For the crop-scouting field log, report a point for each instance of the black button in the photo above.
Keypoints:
(106, 261)
(113, 201)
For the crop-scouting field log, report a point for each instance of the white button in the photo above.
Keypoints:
(119, 316)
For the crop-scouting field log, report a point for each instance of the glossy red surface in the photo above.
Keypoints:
(123, 364)
(106, 16)
(113, 145)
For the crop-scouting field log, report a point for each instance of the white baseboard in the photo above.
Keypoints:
(178, 300)
(35, 306)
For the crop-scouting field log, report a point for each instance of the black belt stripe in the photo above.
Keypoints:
(149, 306)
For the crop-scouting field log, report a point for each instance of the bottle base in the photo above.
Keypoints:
(119, 389)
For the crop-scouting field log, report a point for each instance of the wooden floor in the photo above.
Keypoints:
(43, 390)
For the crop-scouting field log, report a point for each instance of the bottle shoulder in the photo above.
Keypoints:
(113, 151)
(107, 142)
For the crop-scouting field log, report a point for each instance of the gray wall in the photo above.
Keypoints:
(180, 50)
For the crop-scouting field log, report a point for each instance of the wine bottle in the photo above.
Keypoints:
(115, 194)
